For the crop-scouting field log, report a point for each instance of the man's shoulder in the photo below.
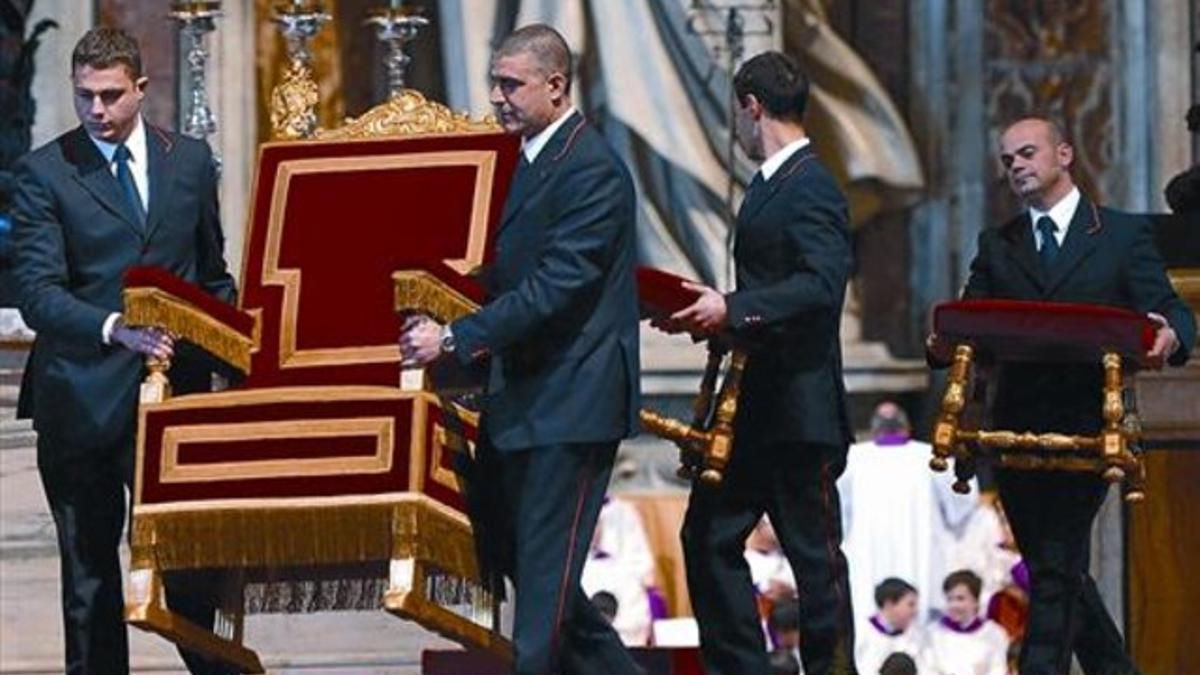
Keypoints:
(56, 152)
(810, 176)
(588, 151)
(180, 145)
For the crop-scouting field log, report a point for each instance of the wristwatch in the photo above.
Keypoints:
(447, 340)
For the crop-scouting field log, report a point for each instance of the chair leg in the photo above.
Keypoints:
(954, 400)
(146, 608)
(1112, 438)
(720, 447)
(1131, 427)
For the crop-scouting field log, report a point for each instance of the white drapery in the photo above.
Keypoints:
(661, 98)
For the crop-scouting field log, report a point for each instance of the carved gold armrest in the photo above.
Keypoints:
(421, 292)
(151, 306)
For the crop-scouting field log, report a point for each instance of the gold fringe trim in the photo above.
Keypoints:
(419, 291)
(409, 527)
(155, 307)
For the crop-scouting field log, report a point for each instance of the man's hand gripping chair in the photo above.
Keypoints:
(1010, 331)
(706, 444)
(321, 481)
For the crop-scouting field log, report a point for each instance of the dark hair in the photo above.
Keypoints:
(776, 81)
(547, 46)
(605, 603)
(785, 615)
(898, 663)
(964, 578)
(892, 590)
(783, 662)
(105, 47)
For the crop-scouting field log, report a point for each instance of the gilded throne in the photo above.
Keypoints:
(317, 483)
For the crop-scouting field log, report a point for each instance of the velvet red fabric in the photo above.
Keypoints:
(346, 230)
(156, 277)
(662, 293)
(335, 482)
(1020, 330)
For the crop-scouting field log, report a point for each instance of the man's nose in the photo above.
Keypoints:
(495, 95)
(96, 109)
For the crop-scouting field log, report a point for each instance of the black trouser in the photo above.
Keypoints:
(1051, 514)
(552, 497)
(795, 485)
(86, 489)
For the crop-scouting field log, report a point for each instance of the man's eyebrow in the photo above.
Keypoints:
(93, 92)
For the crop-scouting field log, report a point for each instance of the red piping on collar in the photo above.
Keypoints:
(570, 140)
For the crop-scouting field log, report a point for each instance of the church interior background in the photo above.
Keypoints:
(909, 99)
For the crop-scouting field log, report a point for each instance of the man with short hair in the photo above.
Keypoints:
(1064, 248)
(793, 260)
(560, 329)
(893, 628)
(962, 641)
(109, 195)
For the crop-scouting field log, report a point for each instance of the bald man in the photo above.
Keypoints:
(1065, 248)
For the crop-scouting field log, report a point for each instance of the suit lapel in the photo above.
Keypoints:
(93, 174)
(535, 176)
(161, 174)
(1080, 242)
(751, 207)
(1019, 237)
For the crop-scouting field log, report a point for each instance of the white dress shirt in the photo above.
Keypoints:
(1061, 213)
(782, 155)
(139, 166)
(534, 144)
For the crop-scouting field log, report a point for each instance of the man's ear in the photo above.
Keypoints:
(141, 84)
(752, 105)
(558, 86)
(1066, 155)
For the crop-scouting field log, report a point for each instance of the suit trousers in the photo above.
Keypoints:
(794, 484)
(1051, 514)
(552, 498)
(86, 489)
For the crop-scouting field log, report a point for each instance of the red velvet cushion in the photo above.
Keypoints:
(1018, 330)
(662, 293)
(156, 277)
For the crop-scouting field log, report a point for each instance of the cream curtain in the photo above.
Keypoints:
(660, 95)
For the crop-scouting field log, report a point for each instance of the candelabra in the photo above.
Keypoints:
(197, 18)
(733, 34)
(396, 25)
(294, 100)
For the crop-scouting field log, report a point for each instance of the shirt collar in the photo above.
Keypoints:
(136, 144)
(1061, 213)
(772, 164)
(533, 146)
(884, 627)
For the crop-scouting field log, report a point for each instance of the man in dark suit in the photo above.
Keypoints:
(1064, 248)
(111, 194)
(560, 329)
(791, 434)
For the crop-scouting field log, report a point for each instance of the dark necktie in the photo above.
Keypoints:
(128, 186)
(1049, 251)
(755, 186)
(753, 190)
